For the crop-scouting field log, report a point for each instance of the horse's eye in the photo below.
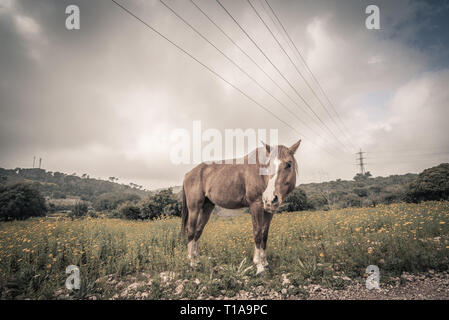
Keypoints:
(288, 165)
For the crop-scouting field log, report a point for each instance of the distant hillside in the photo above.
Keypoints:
(362, 192)
(57, 185)
(175, 189)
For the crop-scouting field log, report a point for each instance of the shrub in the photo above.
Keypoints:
(431, 184)
(21, 201)
(163, 202)
(111, 201)
(92, 214)
(352, 200)
(361, 192)
(79, 210)
(129, 211)
(173, 209)
(318, 202)
(59, 195)
(295, 201)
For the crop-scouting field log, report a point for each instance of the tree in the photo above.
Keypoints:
(111, 200)
(361, 192)
(21, 201)
(431, 184)
(352, 200)
(163, 202)
(295, 201)
(361, 177)
(130, 211)
(79, 210)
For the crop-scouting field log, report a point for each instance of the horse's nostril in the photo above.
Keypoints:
(275, 200)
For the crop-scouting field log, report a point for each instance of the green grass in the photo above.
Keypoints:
(312, 247)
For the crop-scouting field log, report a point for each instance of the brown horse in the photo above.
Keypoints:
(260, 181)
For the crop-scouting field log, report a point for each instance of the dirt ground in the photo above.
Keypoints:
(424, 286)
(429, 286)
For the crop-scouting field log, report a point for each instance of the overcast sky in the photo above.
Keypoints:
(103, 100)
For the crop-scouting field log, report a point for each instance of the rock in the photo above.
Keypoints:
(59, 292)
(217, 269)
(285, 280)
(284, 291)
(407, 277)
(133, 286)
(145, 295)
(314, 288)
(167, 276)
(197, 281)
(124, 293)
(179, 289)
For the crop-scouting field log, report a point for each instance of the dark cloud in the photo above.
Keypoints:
(103, 100)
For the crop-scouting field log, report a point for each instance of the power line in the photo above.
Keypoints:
(257, 65)
(269, 60)
(310, 71)
(202, 64)
(243, 71)
(410, 155)
(230, 60)
(210, 70)
(214, 72)
(297, 70)
(410, 150)
(414, 161)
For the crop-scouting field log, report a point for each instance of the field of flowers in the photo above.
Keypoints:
(322, 247)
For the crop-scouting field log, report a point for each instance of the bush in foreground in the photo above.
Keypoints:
(431, 184)
(79, 210)
(296, 201)
(164, 202)
(21, 201)
(129, 211)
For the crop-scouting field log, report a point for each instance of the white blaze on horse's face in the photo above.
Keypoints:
(269, 198)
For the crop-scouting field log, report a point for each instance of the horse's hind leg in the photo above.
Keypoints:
(191, 229)
(198, 217)
(203, 218)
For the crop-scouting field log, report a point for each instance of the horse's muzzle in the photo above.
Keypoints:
(271, 206)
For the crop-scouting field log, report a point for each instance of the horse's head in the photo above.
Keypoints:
(281, 175)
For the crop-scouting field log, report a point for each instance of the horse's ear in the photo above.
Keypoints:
(294, 147)
(268, 147)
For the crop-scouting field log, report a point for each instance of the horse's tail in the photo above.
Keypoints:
(184, 213)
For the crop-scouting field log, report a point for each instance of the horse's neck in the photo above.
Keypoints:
(253, 158)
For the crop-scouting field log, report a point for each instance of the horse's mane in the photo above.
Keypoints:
(282, 151)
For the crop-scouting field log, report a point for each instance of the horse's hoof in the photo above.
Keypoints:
(260, 269)
(193, 264)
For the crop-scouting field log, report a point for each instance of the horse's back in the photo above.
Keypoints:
(223, 184)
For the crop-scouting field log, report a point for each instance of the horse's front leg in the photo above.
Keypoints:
(257, 214)
(267, 216)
